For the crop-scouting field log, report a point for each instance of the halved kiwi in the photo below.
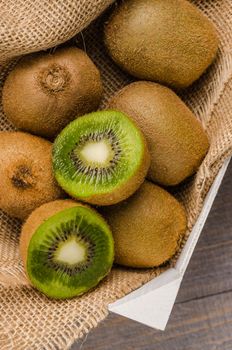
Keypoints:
(101, 158)
(67, 248)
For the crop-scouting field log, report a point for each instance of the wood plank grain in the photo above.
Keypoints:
(204, 324)
(210, 269)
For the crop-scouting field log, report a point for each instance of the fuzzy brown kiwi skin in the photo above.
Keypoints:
(26, 174)
(167, 41)
(129, 187)
(176, 139)
(147, 228)
(44, 92)
(37, 217)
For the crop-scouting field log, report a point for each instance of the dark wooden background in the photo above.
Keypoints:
(202, 316)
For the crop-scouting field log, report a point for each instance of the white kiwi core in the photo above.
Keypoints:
(99, 152)
(71, 252)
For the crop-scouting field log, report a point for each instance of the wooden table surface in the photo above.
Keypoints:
(202, 316)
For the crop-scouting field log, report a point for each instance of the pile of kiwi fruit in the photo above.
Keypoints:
(87, 183)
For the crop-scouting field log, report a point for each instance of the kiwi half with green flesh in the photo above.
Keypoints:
(172, 41)
(26, 174)
(177, 141)
(66, 248)
(45, 91)
(147, 228)
(101, 158)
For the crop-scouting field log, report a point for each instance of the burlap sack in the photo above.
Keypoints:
(28, 320)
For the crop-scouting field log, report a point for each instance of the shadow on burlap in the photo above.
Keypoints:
(28, 319)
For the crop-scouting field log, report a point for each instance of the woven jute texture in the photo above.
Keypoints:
(29, 320)
(32, 25)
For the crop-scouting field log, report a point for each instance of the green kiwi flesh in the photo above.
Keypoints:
(27, 179)
(69, 252)
(176, 140)
(45, 91)
(172, 42)
(147, 228)
(100, 158)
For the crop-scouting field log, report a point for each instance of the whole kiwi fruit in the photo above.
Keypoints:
(101, 158)
(176, 139)
(147, 228)
(172, 41)
(27, 179)
(45, 91)
(66, 248)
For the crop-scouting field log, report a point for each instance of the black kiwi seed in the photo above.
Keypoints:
(97, 137)
(67, 248)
